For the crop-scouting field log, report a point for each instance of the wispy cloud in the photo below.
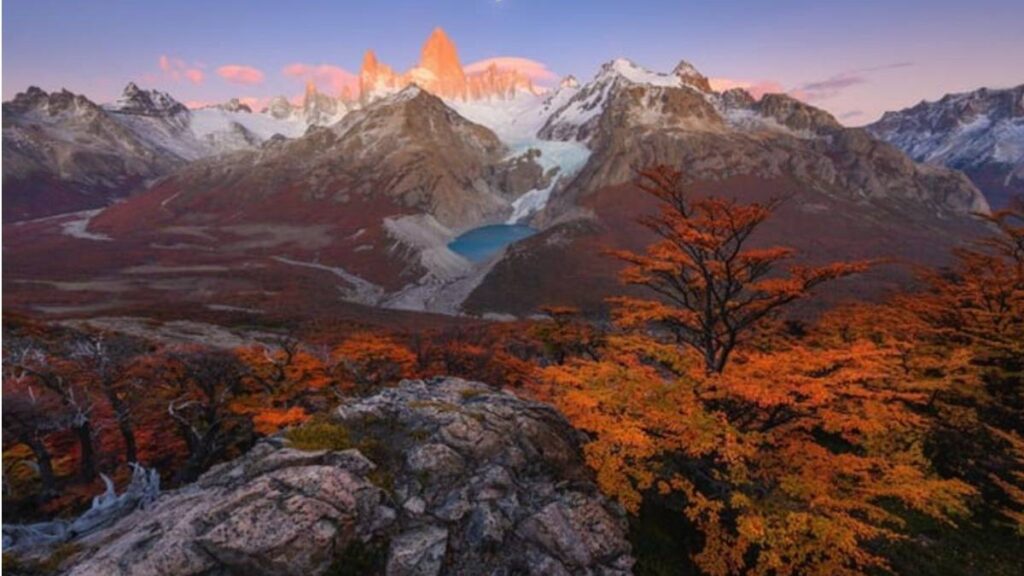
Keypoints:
(829, 87)
(177, 69)
(892, 66)
(239, 74)
(532, 69)
(835, 85)
(326, 77)
(813, 91)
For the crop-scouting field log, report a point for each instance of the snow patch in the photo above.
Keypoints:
(359, 290)
(209, 121)
(568, 157)
(640, 75)
(79, 228)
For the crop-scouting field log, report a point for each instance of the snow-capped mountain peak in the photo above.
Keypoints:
(408, 93)
(135, 100)
(577, 116)
(636, 74)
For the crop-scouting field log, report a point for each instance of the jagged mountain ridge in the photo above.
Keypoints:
(63, 152)
(389, 185)
(409, 146)
(848, 194)
(979, 132)
(375, 199)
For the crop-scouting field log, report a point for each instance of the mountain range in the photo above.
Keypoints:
(349, 201)
(980, 133)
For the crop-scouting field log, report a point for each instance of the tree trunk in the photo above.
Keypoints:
(193, 466)
(130, 449)
(124, 424)
(88, 464)
(45, 464)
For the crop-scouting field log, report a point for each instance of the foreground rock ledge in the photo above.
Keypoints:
(446, 477)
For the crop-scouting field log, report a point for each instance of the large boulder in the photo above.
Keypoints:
(444, 477)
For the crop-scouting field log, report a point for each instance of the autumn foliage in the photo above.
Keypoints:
(976, 308)
(786, 460)
(711, 285)
(797, 449)
(782, 446)
(81, 402)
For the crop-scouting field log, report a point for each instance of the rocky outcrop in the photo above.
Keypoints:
(321, 109)
(279, 108)
(520, 174)
(796, 115)
(235, 105)
(691, 77)
(443, 477)
(440, 70)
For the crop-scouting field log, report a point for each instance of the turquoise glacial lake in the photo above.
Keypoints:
(481, 243)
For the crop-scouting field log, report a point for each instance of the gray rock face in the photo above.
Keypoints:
(274, 511)
(62, 152)
(487, 483)
(408, 152)
(449, 477)
(518, 175)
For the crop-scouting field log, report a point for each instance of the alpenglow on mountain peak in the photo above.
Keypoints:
(440, 72)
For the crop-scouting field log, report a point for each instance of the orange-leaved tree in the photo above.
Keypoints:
(977, 307)
(563, 336)
(198, 388)
(283, 381)
(25, 360)
(788, 453)
(366, 361)
(712, 286)
(795, 460)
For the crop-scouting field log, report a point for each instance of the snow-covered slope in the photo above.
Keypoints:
(161, 121)
(517, 122)
(980, 133)
(576, 117)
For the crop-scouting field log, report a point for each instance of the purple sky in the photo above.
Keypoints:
(855, 58)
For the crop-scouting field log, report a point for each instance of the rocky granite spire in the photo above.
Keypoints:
(441, 59)
(440, 72)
